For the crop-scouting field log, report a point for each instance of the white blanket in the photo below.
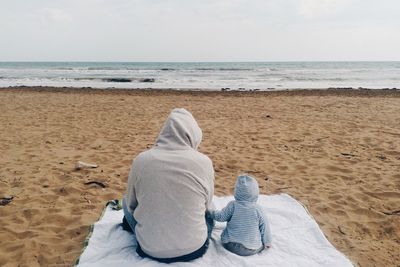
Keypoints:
(296, 241)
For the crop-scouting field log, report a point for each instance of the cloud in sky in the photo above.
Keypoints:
(207, 30)
(318, 8)
(55, 16)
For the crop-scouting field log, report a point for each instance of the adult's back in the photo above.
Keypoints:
(170, 186)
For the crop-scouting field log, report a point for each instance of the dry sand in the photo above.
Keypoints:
(336, 151)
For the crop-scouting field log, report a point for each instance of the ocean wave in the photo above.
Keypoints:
(113, 68)
(129, 80)
(118, 80)
(147, 80)
(233, 69)
(129, 68)
(105, 68)
(94, 79)
(115, 79)
(311, 79)
(223, 69)
(64, 68)
(99, 79)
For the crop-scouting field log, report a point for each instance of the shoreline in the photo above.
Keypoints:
(347, 91)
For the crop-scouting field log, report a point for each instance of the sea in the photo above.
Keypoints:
(203, 75)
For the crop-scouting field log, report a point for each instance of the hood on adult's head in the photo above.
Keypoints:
(179, 131)
(246, 188)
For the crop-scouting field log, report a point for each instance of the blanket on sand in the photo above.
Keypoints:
(296, 241)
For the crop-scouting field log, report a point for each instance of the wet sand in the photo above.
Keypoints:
(336, 151)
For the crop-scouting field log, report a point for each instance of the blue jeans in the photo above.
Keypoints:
(241, 250)
(128, 216)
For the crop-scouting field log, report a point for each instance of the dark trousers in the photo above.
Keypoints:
(188, 257)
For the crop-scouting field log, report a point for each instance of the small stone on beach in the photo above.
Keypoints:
(6, 200)
(83, 165)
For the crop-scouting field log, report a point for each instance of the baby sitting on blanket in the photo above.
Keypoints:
(247, 231)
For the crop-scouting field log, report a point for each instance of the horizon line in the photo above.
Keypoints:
(184, 61)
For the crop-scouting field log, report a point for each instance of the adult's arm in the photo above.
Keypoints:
(130, 196)
(211, 189)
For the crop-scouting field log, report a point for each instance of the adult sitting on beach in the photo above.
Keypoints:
(170, 187)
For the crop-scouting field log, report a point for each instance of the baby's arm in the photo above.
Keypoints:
(225, 214)
(265, 230)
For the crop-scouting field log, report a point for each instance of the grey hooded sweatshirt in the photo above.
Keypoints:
(170, 187)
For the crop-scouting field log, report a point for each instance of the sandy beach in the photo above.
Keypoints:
(336, 151)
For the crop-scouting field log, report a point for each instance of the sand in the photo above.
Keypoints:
(337, 151)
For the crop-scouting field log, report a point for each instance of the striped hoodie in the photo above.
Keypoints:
(246, 222)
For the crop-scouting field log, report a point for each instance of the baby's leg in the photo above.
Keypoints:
(240, 250)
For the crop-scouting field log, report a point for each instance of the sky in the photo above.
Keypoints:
(199, 30)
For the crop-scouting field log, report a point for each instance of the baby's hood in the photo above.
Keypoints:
(246, 188)
(180, 131)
